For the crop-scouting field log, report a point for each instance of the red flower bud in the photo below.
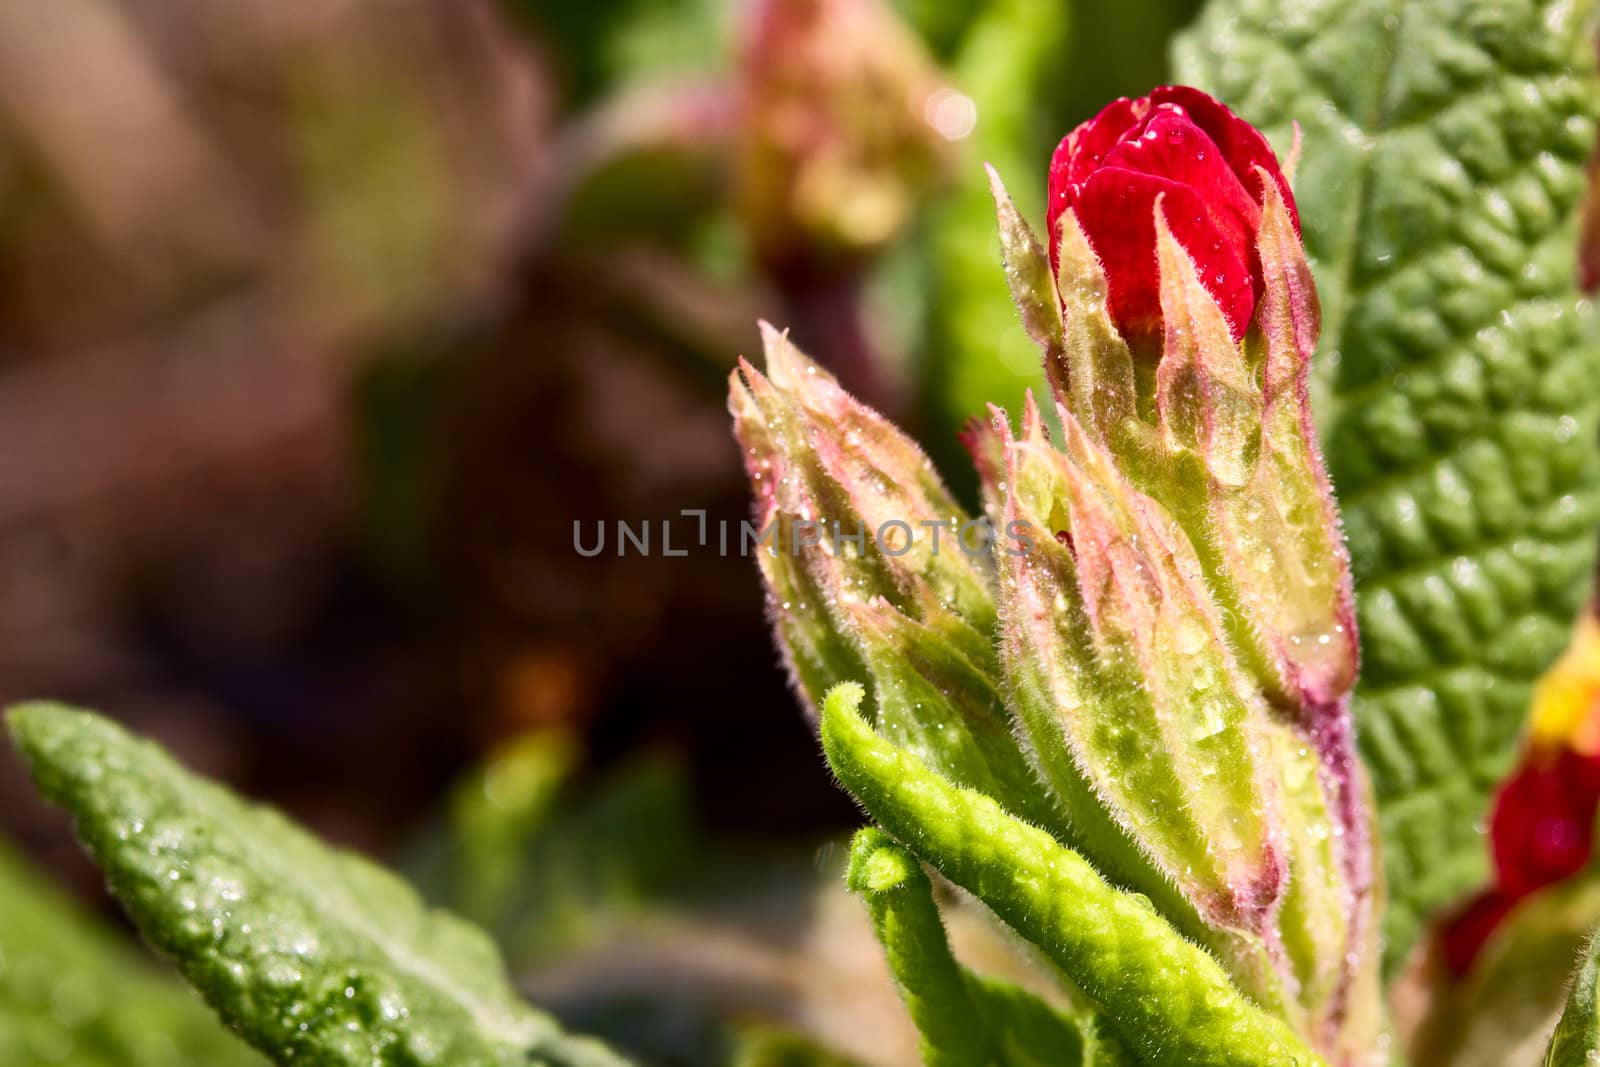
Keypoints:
(1200, 160)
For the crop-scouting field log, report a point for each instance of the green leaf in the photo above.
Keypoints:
(72, 992)
(545, 868)
(964, 1020)
(495, 811)
(1576, 1042)
(1442, 162)
(1166, 1000)
(625, 850)
(312, 955)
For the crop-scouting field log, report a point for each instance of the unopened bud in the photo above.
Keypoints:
(1179, 350)
(908, 606)
(1123, 678)
(844, 127)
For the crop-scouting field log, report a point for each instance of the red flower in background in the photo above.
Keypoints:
(1542, 827)
(1201, 160)
(1542, 819)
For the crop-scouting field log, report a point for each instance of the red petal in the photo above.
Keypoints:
(1176, 138)
(1116, 209)
(1174, 148)
(1462, 936)
(1080, 153)
(1542, 820)
(1242, 146)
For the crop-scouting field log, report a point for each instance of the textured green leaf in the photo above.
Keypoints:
(1576, 1042)
(71, 992)
(312, 955)
(1166, 1000)
(1442, 162)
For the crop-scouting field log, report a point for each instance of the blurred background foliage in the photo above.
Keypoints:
(321, 326)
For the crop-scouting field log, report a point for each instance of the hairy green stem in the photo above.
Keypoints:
(1166, 999)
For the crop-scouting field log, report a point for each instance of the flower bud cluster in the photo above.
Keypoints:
(1161, 673)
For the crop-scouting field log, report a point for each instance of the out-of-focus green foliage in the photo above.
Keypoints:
(978, 352)
(399, 405)
(376, 188)
(601, 46)
(775, 1047)
(1117, 49)
(626, 847)
(545, 868)
(70, 993)
(495, 814)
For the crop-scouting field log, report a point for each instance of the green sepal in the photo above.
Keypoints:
(1576, 1041)
(937, 691)
(1033, 287)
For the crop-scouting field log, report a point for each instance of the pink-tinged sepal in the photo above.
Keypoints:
(874, 574)
(1327, 924)
(985, 443)
(1145, 599)
(1191, 475)
(1207, 400)
(1241, 470)
(815, 653)
(845, 467)
(1141, 720)
(1308, 596)
(1157, 737)
(1243, 473)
